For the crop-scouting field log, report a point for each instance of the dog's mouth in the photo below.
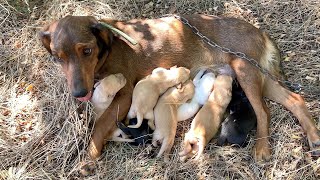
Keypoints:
(86, 98)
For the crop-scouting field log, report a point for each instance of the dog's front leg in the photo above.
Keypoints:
(106, 124)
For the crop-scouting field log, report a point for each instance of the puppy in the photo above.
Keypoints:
(203, 87)
(141, 135)
(147, 91)
(165, 113)
(104, 92)
(240, 120)
(206, 123)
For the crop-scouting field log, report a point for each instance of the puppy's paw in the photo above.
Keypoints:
(261, 151)
(192, 146)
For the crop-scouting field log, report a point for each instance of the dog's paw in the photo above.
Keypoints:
(314, 144)
(87, 168)
(261, 151)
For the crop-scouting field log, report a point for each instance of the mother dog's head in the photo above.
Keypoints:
(78, 43)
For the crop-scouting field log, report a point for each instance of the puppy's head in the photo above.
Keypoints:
(180, 74)
(111, 84)
(78, 43)
(159, 73)
(186, 91)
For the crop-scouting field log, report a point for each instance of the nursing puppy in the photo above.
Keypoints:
(147, 91)
(206, 123)
(102, 96)
(104, 92)
(165, 113)
(141, 135)
(240, 120)
(203, 83)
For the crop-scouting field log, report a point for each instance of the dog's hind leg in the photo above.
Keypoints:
(295, 103)
(251, 82)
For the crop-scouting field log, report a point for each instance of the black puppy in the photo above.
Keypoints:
(240, 120)
(141, 135)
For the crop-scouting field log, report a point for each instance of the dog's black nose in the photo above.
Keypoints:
(79, 93)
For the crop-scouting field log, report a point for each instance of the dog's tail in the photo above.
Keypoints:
(271, 60)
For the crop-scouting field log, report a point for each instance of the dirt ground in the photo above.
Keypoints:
(44, 131)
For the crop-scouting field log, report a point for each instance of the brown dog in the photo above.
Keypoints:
(87, 50)
(165, 113)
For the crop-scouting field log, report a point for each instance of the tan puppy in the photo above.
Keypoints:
(165, 114)
(206, 123)
(147, 91)
(104, 92)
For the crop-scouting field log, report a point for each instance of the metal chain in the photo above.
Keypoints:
(294, 86)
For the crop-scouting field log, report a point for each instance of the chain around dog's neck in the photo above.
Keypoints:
(294, 86)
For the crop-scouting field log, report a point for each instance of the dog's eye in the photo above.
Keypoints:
(87, 51)
(57, 59)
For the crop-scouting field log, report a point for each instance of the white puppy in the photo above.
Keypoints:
(203, 87)
(165, 113)
(104, 92)
(147, 91)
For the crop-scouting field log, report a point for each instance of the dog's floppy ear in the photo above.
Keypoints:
(45, 35)
(103, 33)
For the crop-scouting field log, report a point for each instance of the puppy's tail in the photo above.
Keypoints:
(139, 121)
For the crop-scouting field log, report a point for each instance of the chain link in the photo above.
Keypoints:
(294, 86)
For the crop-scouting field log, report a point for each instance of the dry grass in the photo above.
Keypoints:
(44, 131)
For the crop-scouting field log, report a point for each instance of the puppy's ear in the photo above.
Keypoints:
(102, 33)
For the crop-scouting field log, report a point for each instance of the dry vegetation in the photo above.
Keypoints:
(44, 131)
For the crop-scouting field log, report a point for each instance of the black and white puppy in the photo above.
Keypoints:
(141, 135)
(240, 120)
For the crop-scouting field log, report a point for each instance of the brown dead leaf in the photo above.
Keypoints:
(30, 88)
